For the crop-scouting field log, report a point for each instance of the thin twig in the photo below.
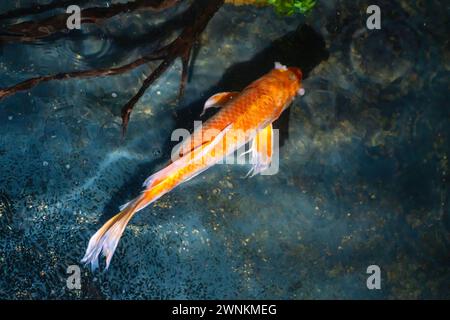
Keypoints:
(33, 82)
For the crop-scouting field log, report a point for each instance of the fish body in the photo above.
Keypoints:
(243, 117)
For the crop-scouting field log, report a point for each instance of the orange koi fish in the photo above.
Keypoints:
(251, 112)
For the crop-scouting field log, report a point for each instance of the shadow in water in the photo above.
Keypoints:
(132, 187)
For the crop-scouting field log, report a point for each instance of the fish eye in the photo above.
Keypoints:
(297, 73)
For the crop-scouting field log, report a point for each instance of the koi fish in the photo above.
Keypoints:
(251, 111)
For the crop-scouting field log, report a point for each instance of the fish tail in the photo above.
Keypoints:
(106, 239)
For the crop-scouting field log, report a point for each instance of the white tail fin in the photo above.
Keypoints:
(105, 240)
(107, 237)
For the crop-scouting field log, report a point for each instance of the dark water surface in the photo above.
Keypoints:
(364, 171)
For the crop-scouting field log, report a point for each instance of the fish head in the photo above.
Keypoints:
(297, 73)
(290, 78)
(284, 83)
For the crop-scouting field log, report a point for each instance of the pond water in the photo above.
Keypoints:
(363, 179)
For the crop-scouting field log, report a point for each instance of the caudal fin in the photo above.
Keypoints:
(105, 240)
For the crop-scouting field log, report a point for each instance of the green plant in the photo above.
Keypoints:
(289, 7)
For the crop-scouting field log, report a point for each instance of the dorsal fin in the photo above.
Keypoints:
(218, 100)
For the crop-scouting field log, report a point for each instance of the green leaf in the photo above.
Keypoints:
(290, 7)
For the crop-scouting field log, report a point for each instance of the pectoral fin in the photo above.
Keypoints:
(218, 100)
(262, 151)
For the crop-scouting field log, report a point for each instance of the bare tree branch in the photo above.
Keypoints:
(33, 82)
(197, 18)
